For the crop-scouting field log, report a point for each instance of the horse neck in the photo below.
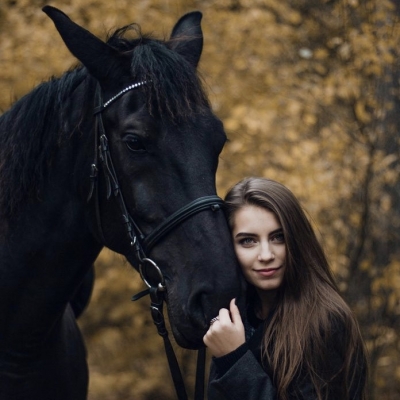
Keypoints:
(46, 248)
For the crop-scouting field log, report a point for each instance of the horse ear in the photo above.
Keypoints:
(98, 57)
(187, 37)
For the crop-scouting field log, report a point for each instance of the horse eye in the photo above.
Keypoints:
(134, 143)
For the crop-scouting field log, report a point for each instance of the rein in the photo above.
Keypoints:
(141, 243)
(157, 294)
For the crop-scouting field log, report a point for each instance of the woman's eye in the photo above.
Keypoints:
(134, 143)
(279, 238)
(246, 241)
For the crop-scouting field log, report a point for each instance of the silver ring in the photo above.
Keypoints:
(213, 320)
(161, 285)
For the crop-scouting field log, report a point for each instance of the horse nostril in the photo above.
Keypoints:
(196, 312)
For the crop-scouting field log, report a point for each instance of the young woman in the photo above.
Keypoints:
(300, 340)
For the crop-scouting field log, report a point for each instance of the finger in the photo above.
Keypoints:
(206, 337)
(235, 313)
(206, 340)
(224, 315)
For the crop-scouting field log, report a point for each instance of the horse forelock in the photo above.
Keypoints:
(30, 132)
(174, 89)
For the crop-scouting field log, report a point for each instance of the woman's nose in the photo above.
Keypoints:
(266, 253)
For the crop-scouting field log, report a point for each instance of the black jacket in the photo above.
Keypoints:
(240, 375)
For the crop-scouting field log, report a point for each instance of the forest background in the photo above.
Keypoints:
(308, 91)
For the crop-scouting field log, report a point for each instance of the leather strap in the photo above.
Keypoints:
(156, 307)
(213, 203)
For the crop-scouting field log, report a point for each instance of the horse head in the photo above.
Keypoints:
(159, 142)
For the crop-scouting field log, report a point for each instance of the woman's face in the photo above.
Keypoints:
(260, 247)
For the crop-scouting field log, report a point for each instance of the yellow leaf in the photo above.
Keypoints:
(362, 115)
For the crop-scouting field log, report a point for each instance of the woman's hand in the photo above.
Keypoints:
(227, 333)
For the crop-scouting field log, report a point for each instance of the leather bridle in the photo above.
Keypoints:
(140, 243)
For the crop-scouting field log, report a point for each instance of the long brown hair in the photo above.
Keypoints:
(309, 306)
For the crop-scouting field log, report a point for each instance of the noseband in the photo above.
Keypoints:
(142, 244)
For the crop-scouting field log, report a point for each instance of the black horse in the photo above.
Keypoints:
(101, 157)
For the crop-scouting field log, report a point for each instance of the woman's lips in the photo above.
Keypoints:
(268, 271)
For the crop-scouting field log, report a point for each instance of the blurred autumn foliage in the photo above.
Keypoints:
(309, 94)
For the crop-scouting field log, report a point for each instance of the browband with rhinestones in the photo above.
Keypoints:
(118, 95)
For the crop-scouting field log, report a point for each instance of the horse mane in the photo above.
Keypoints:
(30, 132)
(34, 127)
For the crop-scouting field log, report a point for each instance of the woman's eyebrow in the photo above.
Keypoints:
(248, 234)
(240, 234)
